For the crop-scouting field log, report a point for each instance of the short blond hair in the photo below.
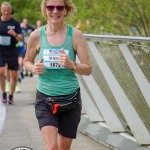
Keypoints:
(70, 8)
(6, 4)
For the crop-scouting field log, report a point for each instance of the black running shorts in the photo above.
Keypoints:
(11, 60)
(67, 122)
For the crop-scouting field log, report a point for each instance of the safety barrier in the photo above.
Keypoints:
(118, 90)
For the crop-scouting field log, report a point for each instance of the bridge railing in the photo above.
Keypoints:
(118, 90)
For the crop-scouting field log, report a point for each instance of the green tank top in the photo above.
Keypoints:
(56, 80)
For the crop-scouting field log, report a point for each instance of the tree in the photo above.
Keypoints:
(123, 17)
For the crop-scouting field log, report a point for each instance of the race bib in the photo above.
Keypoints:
(51, 57)
(5, 40)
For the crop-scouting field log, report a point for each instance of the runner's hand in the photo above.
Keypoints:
(64, 60)
(39, 67)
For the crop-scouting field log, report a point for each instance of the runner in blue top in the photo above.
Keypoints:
(27, 29)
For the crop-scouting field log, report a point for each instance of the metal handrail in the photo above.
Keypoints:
(118, 37)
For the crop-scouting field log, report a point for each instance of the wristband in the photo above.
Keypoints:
(74, 67)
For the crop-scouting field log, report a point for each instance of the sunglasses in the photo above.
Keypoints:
(59, 8)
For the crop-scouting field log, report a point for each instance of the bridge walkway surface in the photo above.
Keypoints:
(18, 125)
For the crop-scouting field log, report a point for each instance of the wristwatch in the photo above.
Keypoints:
(16, 35)
(74, 66)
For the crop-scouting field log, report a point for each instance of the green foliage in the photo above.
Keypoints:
(115, 17)
(26, 9)
(122, 17)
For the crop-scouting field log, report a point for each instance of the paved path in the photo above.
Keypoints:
(20, 127)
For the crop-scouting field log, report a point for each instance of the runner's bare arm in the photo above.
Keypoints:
(18, 37)
(80, 46)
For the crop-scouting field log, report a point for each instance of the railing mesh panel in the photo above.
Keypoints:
(120, 69)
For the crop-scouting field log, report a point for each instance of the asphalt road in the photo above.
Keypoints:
(20, 127)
